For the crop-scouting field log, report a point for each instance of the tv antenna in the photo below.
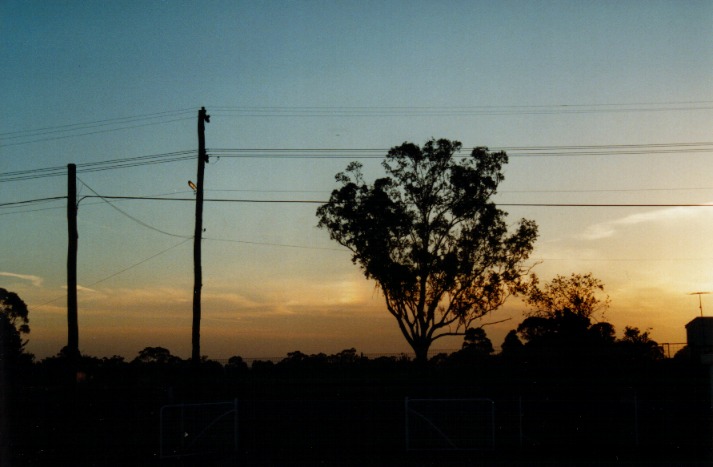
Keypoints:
(700, 302)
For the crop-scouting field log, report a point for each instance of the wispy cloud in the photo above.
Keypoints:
(610, 228)
(81, 288)
(35, 280)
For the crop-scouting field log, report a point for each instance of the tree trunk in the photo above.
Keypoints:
(420, 348)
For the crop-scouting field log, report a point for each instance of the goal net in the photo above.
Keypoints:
(450, 424)
(192, 429)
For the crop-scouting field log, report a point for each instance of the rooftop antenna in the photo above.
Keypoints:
(700, 302)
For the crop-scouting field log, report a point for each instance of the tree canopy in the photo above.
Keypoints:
(431, 237)
(561, 325)
(581, 294)
(562, 309)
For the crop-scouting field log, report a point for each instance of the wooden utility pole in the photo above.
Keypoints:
(203, 117)
(73, 236)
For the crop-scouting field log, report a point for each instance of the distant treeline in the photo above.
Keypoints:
(587, 402)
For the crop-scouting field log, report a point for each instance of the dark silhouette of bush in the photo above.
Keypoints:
(638, 347)
(14, 323)
(157, 355)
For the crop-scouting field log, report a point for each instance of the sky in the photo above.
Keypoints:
(597, 103)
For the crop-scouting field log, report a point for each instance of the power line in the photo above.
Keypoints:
(513, 151)
(138, 221)
(283, 245)
(458, 111)
(300, 201)
(213, 200)
(118, 272)
(359, 110)
(186, 240)
(53, 138)
(357, 153)
(31, 201)
(95, 123)
(80, 129)
(613, 190)
(546, 205)
(124, 123)
(163, 196)
(128, 162)
(625, 260)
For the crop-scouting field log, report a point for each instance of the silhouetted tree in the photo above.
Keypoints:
(14, 322)
(476, 348)
(562, 327)
(512, 345)
(683, 354)
(156, 355)
(430, 236)
(237, 363)
(262, 366)
(476, 341)
(559, 322)
(603, 332)
(345, 357)
(581, 294)
(638, 346)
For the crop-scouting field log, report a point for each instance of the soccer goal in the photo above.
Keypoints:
(192, 429)
(450, 424)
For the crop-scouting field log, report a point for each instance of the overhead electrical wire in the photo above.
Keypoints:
(513, 151)
(94, 123)
(112, 164)
(355, 154)
(106, 198)
(283, 245)
(31, 201)
(162, 197)
(140, 262)
(90, 128)
(160, 117)
(118, 272)
(189, 237)
(21, 137)
(300, 201)
(138, 221)
(86, 133)
(455, 111)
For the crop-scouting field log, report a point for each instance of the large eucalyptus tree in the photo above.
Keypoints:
(431, 237)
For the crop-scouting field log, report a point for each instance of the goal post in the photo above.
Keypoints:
(450, 424)
(193, 429)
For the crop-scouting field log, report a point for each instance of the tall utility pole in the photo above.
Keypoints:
(73, 236)
(203, 117)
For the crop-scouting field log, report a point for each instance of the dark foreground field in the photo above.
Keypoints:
(354, 411)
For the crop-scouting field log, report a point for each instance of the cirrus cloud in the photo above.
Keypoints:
(610, 228)
(35, 280)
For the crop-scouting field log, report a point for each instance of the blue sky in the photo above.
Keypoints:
(342, 75)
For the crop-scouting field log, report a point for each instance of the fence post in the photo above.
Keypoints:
(636, 420)
(235, 425)
(406, 425)
(519, 408)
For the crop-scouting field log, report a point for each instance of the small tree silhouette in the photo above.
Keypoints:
(14, 323)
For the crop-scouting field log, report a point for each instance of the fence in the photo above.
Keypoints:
(670, 349)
